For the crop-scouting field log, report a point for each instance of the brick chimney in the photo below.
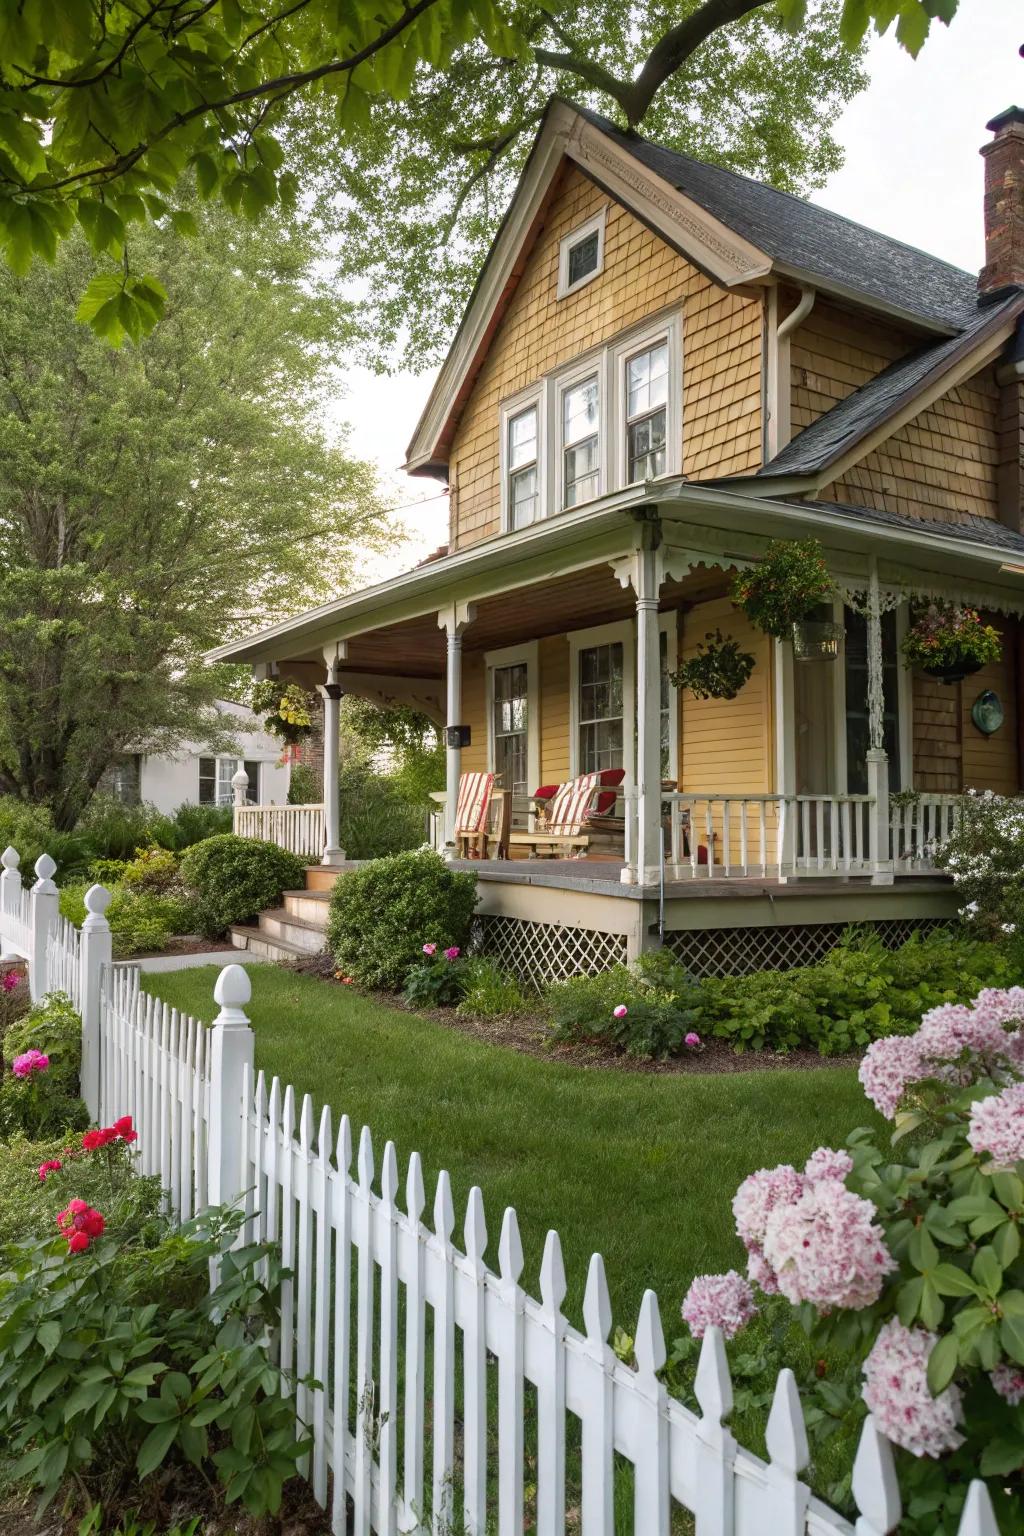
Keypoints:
(1004, 203)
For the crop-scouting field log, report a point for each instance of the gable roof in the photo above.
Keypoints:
(839, 430)
(735, 229)
(812, 244)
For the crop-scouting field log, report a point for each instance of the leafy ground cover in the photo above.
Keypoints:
(641, 1167)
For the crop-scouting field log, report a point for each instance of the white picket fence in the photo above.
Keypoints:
(441, 1397)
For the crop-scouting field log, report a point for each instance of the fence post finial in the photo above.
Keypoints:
(10, 895)
(231, 1051)
(45, 910)
(875, 1488)
(239, 785)
(978, 1518)
(96, 951)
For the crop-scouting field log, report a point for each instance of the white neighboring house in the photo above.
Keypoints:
(196, 776)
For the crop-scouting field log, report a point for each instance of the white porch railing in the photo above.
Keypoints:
(919, 830)
(740, 836)
(298, 828)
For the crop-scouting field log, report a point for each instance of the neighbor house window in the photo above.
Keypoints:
(600, 707)
(581, 255)
(123, 779)
(581, 475)
(215, 775)
(523, 484)
(646, 413)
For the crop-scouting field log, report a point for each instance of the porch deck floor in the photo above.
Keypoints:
(603, 875)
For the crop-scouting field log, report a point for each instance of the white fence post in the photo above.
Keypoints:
(879, 832)
(231, 1051)
(96, 952)
(10, 896)
(875, 1488)
(45, 911)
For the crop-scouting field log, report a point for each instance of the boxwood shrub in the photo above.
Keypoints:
(382, 915)
(232, 879)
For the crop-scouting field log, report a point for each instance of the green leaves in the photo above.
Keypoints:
(120, 307)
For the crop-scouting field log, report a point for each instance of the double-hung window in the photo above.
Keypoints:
(523, 468)
(647, 375)
(601, 706)
(581, 441)
(215, 775)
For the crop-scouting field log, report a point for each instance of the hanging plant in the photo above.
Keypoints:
(289, 708)
(785, 587)
(950, 643)
(718, 671)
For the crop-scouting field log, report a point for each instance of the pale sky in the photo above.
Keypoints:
(912, 170)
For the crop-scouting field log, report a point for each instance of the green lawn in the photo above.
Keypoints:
(638, 1166)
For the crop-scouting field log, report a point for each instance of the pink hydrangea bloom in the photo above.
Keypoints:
(888, 1068)
(29, 1062)
(452, 953)
(758, 1196)
(760, 1273)
(952, 1028)
(997, 1126)
(1008, 1381)
(718, 1301)
(827, 1163)
(619, 1011)
(826, 1248)
(897, 1393)
(692, 1040)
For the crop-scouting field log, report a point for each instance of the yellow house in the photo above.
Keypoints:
(663, 367)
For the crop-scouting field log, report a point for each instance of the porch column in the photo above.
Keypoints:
(453, 621)
(331, 693)
(879, 851)
(642, 570)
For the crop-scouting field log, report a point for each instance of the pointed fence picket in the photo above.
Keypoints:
(439, 1396)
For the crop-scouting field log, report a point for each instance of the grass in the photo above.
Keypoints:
(638, 1166)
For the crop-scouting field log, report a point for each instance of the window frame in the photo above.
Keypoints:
(591, 226)
(533, 397)
(590, 366)
(513, 656)
(580, 640)
(668, 331)
(222, 757)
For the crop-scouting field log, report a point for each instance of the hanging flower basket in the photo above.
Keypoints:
(289, 709)
(816, 640)
(785, 587)
(718, 670)
(950, 643)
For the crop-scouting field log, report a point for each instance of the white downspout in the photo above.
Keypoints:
(780, 428)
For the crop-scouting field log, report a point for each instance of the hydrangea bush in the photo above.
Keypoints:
(985, 857)
(908, 1263)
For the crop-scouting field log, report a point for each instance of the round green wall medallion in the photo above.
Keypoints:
(987, 712)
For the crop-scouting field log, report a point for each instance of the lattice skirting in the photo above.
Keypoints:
(738, 951)
(538, 954)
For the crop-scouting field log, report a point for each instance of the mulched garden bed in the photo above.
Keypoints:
(531, 1035)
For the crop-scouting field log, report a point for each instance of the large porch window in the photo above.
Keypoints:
(601, 707)
(510, 707)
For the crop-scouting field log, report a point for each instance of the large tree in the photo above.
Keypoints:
(157, 499)
(105, 105)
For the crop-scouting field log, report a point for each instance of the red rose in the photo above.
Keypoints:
(93, 1223)
(123, 1127)
(77, 1207)
(91, 1140)
(77, 1242)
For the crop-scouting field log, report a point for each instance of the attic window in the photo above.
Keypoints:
(581, 255)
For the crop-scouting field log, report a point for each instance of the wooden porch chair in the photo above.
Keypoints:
(471, 812)
(569, 815)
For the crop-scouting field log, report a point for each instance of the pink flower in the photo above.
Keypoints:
(29, 1062)
(997, 1126)
(620, 1011)
(1008, 1381)
(897, 1393)
(52, 1165)
(430, 949)
(758, 1196)
(718, 1301)
(9, 980)
(80, 1224)
(692, 1040)
(826, 1248)
(826, 1163)
(887, 1070)
(452, 953)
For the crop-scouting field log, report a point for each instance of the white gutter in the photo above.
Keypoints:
(778, 375)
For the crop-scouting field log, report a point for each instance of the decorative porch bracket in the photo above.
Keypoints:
(453, 620)
(331, 692)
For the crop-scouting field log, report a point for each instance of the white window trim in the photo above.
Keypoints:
(592, 226)
(593, 365)
(668, 624)
(668, 329)
(511, 656)
(534, 396)
(580, 640)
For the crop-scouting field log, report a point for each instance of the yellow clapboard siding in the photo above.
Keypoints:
(725, 744)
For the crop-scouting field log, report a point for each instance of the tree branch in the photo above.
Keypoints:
(671, 52)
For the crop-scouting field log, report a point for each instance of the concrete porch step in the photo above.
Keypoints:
(308, 906)
(280, 924)
(321, 877)
(255, 942)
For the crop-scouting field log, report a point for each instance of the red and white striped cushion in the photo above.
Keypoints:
(474, 799)
(569, 808)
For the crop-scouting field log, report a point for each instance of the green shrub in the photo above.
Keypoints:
(29, 829)
(114, 830)
(488, 993)
(140, 920)
(192, 824)
(378, 817)
(29, 1205)
(175, 1372)
(152, 869)
(232, 879)
(46, 1103)
(662, 1007)
(434, 981)
(985, 857)
(382, 915)
(304, 786)
(108, 872)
